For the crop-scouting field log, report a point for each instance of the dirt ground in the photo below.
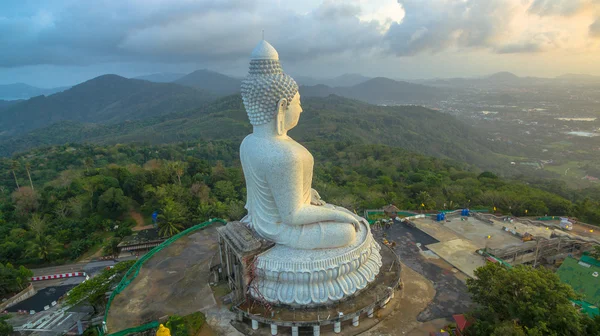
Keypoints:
(174, 281)
(417, 294)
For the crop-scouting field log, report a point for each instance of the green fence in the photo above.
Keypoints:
(133, 272)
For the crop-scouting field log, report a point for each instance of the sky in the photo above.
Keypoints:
(51, 43)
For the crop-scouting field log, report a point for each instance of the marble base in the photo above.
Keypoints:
(295, 277)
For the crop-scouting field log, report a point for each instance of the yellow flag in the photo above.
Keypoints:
(494, 208)
(423, 205)
(525, 211)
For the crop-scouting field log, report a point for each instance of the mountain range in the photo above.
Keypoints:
(24, 91)
(105, 99)
(163, 77)
(343, 80)
(509, 79)
(380, 90)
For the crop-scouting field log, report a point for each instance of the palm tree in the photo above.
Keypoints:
(170, 219)
(37, 224)
(28, 168)
(178, 168)
(43, 246)
(14, 165)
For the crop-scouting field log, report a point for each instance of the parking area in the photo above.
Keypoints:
(44, 297)
(412, 247)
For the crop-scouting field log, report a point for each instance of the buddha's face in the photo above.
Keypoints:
(292, 114)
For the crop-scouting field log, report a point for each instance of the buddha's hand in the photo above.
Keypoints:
(315, 198)
(348, 218)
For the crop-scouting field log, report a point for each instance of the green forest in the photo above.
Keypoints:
(59, 203)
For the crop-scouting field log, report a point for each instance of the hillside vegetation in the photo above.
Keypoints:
(81, 197)
(331, 118)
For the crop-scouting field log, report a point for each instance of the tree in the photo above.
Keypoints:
(225, 191)
(25, 200)
(93, 290)
(596, 253)
(14, 165)
(171, 218)
(28, 169)
(112, 203)
(112, 247)
(522, 301)
(5, 328)
(178, 168)
(13, 280)
(43, 246)
(88, 163)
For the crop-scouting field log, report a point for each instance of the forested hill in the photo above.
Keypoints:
(79, 194)
(104, 99)
(331, 118)
(211, 81)
(7, 103)
(380, 90)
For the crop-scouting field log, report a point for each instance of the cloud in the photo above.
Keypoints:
(595, 28)
(85, 32)
(515, 48)
(436, 25)
(217, 32)
(556, 7)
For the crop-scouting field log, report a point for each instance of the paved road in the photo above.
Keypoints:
(42, 298)
(68, 268)
(451, 293)
(91, 267)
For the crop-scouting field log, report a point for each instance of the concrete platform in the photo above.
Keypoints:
(478, 231)
(460, 253)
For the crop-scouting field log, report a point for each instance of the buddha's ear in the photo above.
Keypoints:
(281, 105)
(280, 117)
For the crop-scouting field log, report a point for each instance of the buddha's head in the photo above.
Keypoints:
(270, 96)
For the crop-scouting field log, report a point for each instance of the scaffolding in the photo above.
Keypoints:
(253, 284)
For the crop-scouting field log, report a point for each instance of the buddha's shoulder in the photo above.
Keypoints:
(279, 151)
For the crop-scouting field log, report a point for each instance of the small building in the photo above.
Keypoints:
(584, 276)
(140, 242)
(461, 324)
(238, 245)
(391, 211)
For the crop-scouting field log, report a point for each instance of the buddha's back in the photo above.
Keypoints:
(262, 210)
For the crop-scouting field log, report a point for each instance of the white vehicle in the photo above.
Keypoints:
(565, 224)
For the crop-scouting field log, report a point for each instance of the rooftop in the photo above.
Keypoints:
(580, 276)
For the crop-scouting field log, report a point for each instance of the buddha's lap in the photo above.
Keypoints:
(320, 235)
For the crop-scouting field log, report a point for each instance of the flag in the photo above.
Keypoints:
(423, 205)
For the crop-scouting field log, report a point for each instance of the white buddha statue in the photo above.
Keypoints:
(282, 206)
(323, 253)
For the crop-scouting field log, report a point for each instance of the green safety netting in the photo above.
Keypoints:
(133, 272)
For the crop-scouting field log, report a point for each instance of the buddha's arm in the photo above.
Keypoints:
(315, 198)
(286, 182)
